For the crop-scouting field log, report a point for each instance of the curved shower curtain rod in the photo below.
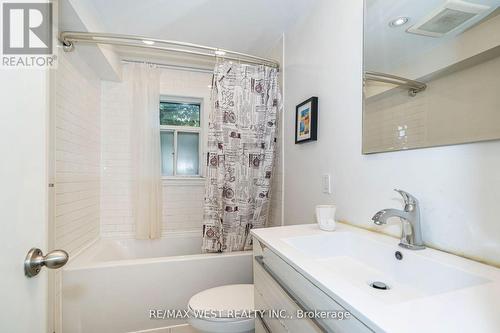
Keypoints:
(70, 38)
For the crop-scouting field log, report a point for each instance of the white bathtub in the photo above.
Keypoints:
(112, 286)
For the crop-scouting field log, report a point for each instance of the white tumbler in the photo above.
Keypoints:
(325, 215)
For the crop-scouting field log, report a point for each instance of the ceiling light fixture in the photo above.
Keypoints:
(148, 42)
(399, 22)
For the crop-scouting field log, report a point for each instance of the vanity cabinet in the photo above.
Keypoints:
(282, 293)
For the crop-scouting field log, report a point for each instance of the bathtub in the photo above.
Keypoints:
(113, 285)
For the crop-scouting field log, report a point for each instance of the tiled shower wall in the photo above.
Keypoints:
(77, 154)
(182, 199)
(77, 150)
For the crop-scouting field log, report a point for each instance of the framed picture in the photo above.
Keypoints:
(306, 121)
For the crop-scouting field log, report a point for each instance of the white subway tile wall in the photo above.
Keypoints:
(77, 152)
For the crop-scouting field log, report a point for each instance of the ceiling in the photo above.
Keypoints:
(250, 26)
(388, 48)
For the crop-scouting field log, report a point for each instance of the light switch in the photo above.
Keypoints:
(326, 184)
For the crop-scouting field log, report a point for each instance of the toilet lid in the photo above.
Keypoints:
(234, 297)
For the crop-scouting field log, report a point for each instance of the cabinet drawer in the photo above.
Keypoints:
(260, 328)
(271, 297)
(266, 324)
(305, 293)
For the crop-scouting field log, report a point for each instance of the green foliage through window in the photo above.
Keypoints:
(180, 114)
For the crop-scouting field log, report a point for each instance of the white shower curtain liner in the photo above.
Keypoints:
(145, 149)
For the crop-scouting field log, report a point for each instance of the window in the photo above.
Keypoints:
(180, 125)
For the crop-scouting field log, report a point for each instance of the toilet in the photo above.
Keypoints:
(222, 303)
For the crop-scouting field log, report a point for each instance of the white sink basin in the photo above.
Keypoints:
(362, 260)
(430, 291)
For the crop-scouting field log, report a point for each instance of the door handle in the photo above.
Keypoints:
(35, 260)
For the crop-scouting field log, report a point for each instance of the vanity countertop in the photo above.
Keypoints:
(473, 306)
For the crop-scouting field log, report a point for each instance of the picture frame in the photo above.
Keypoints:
(306, 121)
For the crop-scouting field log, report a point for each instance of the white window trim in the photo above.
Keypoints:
(200, 130)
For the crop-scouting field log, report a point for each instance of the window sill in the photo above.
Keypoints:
(184, 181)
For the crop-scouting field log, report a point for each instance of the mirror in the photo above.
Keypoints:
(431, 73)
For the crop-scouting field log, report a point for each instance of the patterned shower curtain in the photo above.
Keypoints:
(241, 148)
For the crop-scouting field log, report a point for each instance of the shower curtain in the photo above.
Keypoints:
(241, 148)
(145, 149)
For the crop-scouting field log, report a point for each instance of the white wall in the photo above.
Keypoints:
(458, 186)
(182, 199)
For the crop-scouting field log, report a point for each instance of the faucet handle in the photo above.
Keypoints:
(407, 197)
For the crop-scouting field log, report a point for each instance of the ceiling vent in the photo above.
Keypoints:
(447, 18)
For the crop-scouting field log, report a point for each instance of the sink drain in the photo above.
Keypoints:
(379, 285)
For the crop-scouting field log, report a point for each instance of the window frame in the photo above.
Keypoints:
(185, 129)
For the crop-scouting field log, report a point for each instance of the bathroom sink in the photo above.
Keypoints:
(428, 290)
(362, 260)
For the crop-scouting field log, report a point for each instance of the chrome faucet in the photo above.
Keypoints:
(411, 234)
